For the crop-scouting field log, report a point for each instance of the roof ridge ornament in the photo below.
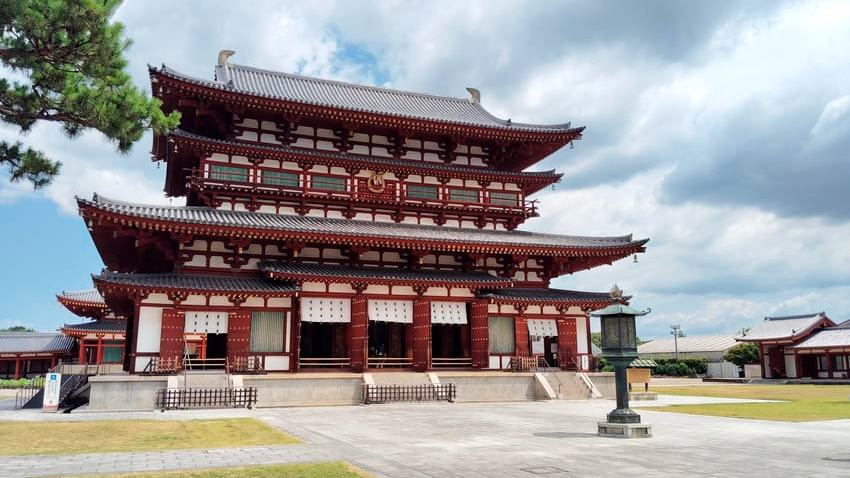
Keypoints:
(222, 70)
(475, 97)
(616, 293)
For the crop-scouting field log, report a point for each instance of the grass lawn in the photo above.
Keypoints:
(335, 469)
(802, 403)
(53, 438)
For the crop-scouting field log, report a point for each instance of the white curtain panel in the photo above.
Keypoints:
(398, 311)
(542, 327)
(321, 309)
(205, 322)
(448, 312)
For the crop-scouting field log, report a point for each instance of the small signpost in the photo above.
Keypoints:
(52, 385)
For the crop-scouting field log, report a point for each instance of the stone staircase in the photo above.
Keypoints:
(567, 385)
(400, 378)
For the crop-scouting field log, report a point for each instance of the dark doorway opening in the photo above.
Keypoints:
(216, 346)
(323, 340)
(387, 339)
(450, 340)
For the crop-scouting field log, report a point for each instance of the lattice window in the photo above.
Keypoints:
(504, 199)
(329, 183)
(228, 173)
(422, 192)
(463, 195)
(280, 178)
(502, 338)
(267, 331)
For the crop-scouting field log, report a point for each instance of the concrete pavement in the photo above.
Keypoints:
(521, 439)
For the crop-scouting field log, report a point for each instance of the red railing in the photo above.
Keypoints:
(394, 191)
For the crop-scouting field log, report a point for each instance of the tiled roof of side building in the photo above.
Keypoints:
(35, 342)
(348, 227)
(110, 326)
(774, 328)
(548, 295)
(88, 296)
(691, 343)
(831, 337)
(348, 96)
(202, 282)
(381, 274)
(551, 174)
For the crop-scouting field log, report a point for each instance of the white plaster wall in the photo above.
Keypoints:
(581, 335)
(790, 366)
(150, 329)
(280, 302)
(275, 362)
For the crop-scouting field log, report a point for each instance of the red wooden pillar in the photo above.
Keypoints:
(99, 355)
(81, 358)
(17, 368)
(52, 362)
(521, 335)
(359, 332)
(238, 333)
(171, 335)
(421, 333)
(828, 364)
(479, 330)
(567, 342)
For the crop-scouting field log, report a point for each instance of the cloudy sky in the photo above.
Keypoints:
(720, 130)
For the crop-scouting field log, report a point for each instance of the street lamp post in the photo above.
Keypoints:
(677, 332)
(619, 347)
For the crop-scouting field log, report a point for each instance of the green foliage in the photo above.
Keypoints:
(743, 353)
(685, 367)
(596, 338)
(17, 328)
(72, 59)
(608, 368)
(19, 383)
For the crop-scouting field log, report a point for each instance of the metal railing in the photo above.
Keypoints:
(408, 393)
(324, 362)
(194, 363)
(183, 398)
(73, 383)
(451, 362)
(389, 362)
(25, 394)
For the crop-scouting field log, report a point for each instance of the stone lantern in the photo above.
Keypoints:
(619, 348)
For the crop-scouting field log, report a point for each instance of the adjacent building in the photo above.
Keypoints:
(802, 346)
(336, 226)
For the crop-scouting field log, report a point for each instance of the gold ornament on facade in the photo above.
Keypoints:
(376, 183)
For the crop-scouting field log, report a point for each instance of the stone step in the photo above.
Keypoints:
(401, 378)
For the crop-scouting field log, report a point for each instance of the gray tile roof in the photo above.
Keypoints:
(110, 326)
(691, 343)
(346, 227)
(195, 281)
(548, 295)
(34, 342)
(774, 328)
(382, 274)
(336, 94)
(824, 338)
(367, 160)
(91, 296)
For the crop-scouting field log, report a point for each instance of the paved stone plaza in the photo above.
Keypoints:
(528, 439)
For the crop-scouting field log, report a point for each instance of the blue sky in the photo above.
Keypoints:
(718, 129)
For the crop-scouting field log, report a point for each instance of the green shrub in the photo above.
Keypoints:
(608, 368)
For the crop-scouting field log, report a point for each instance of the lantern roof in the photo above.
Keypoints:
(619, 309)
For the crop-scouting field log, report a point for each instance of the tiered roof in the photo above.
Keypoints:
(789, 327)
(374, 275)
(96, 327)
(172, 282)
(34, 343)
(84, 303)
(555, 297)
(238, 224)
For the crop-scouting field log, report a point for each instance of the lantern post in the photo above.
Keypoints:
(619, 348)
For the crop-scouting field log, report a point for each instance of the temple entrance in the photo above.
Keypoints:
(450, 345)
(323, 344)
(388, 345)
(216, 346)
(808, 366)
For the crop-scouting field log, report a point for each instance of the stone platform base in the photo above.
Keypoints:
(624, 430)
(643, 396)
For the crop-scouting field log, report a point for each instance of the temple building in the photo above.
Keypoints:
(330, 225)
(100, 340)
(802, 346)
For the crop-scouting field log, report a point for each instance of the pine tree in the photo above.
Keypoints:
(71, 57)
